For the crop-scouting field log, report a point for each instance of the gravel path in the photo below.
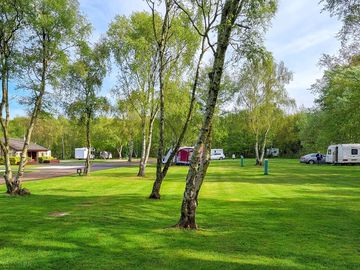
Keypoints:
(47, 171)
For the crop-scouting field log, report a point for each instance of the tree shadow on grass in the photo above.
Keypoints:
(131, 232)
(290, 173)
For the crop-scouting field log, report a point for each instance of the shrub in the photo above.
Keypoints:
(14, 160)
(45, 159)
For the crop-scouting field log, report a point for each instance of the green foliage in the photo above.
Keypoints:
(261, 90)
(135, 50)
(84, 82)
(348, 11)
(109, 134)
(286, 135)
(231, 133)
(53, 27)
(45, 159)
(51, 133)
(336, 119)
(14, 160)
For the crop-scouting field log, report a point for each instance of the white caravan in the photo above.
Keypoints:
(217, 154)
(272, 152)
(343, 154)
(81, 153)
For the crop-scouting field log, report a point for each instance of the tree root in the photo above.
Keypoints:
(19, 192)
(154, 196)
(186, 226)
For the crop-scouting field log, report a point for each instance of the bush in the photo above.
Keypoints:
(14, 160)
(45, 159)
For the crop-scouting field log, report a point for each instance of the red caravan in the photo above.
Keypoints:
(182, 157)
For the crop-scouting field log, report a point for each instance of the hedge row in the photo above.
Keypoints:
(13, 160)
(45, 159)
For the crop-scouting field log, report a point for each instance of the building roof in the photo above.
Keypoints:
(17, 145)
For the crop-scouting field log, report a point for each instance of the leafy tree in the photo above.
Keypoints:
(348, 11)
(287, 134)
(176, 43)
(231, 133)
(208, 19)
(313, 130)
(134, 49)
(12, 21)
(338, 100)
(52, 27)
(130, 123)
(237, 17)
(262, 92)
(84, 80)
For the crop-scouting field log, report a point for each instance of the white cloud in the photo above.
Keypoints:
(308, 41)
(299, 36)
(299, 88)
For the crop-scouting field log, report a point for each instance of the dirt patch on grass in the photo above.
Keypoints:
(86, 204)
(58, 214)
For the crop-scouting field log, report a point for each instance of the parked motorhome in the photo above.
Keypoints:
(272, 152)
(105, 155)
(166, 157)
(217, 154)
(81, 153)
(343, 154)
(182, 157)
(184, 154)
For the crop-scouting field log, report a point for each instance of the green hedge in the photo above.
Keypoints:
(13, 160)
(45, 159)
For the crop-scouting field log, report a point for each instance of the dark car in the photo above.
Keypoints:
(311, 158)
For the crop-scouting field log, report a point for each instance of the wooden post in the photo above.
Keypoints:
(266, 167)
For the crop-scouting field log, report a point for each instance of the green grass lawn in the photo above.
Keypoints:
(28, 168)
(298, 217)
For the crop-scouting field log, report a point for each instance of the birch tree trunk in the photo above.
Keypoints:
(149, 140)
(155, 193)
(263, 146)
(16, 186)
(120, 151)
(131, 149)
(87, 167)
(62, 147)
(161, 48)
(143, 148)
(4, 144)
(12, 20)
(198, 166)
(204, 164)
(257, 154)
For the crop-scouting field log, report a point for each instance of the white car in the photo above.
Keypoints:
(217, 154)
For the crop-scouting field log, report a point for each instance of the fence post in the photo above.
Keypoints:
(266, 167)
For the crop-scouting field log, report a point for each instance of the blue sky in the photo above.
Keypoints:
(300, 34)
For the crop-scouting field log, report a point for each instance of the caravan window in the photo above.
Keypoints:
(354, 151)
(329, 152)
